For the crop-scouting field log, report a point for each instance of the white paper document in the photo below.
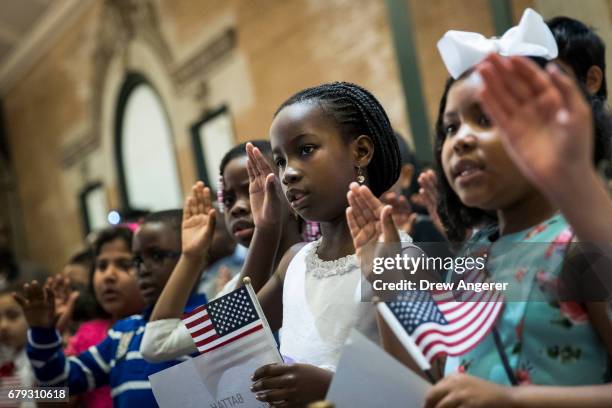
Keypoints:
(218, 379)
(368, 377)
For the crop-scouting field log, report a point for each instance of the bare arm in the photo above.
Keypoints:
(197, 229)
(462, 390)
(596, 396)
(267, 209)
(271, 295)
(582, 187)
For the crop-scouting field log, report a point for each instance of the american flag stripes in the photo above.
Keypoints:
(223, 320)
(9, 380)
(439, 324)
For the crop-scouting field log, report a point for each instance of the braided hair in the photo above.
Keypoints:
(357, 112)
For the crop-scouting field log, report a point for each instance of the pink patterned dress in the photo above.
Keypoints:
(89, 334)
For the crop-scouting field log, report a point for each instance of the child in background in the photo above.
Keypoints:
(165, 336)
(409, 216)
(225, 256)
(237, 207)
(78, 269)
(15, 369)
(102, 314)
(582, 53)
(74, 302)
(115, 360)
(481, 177)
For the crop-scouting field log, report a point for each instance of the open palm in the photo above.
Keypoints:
(38, 304)
(545, 121)
(65, 300)
(198, 221)
(403, 216)
(264, 190)
(370, 222)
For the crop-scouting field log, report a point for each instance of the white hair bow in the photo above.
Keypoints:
(461, 50)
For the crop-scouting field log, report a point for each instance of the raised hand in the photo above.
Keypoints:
(428, 197)
(264, 190)
(38, 304)
(546, 122)
(370, 222)
(198, 222)
(65, 300)
(402, 213)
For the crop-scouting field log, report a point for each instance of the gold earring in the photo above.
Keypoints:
(360, 176)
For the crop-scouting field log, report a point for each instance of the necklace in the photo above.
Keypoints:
(324, 269)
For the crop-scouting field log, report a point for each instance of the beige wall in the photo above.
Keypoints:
(282, 46)
(67, 99)
(42, 111)
(431, 19)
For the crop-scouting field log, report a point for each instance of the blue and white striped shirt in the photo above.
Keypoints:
(116, 361)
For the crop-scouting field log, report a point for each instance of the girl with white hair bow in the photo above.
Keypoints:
(497, 107)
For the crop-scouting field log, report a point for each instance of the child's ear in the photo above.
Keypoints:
(594, 78)
(363, 150)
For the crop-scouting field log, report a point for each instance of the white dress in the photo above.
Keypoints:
(321, 304)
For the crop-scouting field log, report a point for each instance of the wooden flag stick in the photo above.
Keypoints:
(247, 283)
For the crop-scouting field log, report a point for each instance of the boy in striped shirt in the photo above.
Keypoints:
(116, 360)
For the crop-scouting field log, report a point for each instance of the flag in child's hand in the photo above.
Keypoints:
(223, 320)
(441, 325)
(234, 338)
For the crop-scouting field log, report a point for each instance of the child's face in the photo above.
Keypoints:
(315, 164)
(473, 157)
(114, 280)
(77, 273)
(13, 325)
(237, 213)
(157, 246)
(223, 243)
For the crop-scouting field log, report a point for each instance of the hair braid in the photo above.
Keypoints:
(357, 112)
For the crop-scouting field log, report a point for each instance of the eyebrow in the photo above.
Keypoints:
(293, 140)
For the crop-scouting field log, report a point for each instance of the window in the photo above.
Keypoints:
(94, 207)
(145, 153)
(212, 137)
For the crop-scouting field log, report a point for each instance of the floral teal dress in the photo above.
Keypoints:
(546, 341)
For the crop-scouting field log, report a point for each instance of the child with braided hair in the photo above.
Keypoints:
(323, 139)
(165, 337)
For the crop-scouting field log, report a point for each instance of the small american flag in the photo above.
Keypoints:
(223, 320)
(439, 324)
